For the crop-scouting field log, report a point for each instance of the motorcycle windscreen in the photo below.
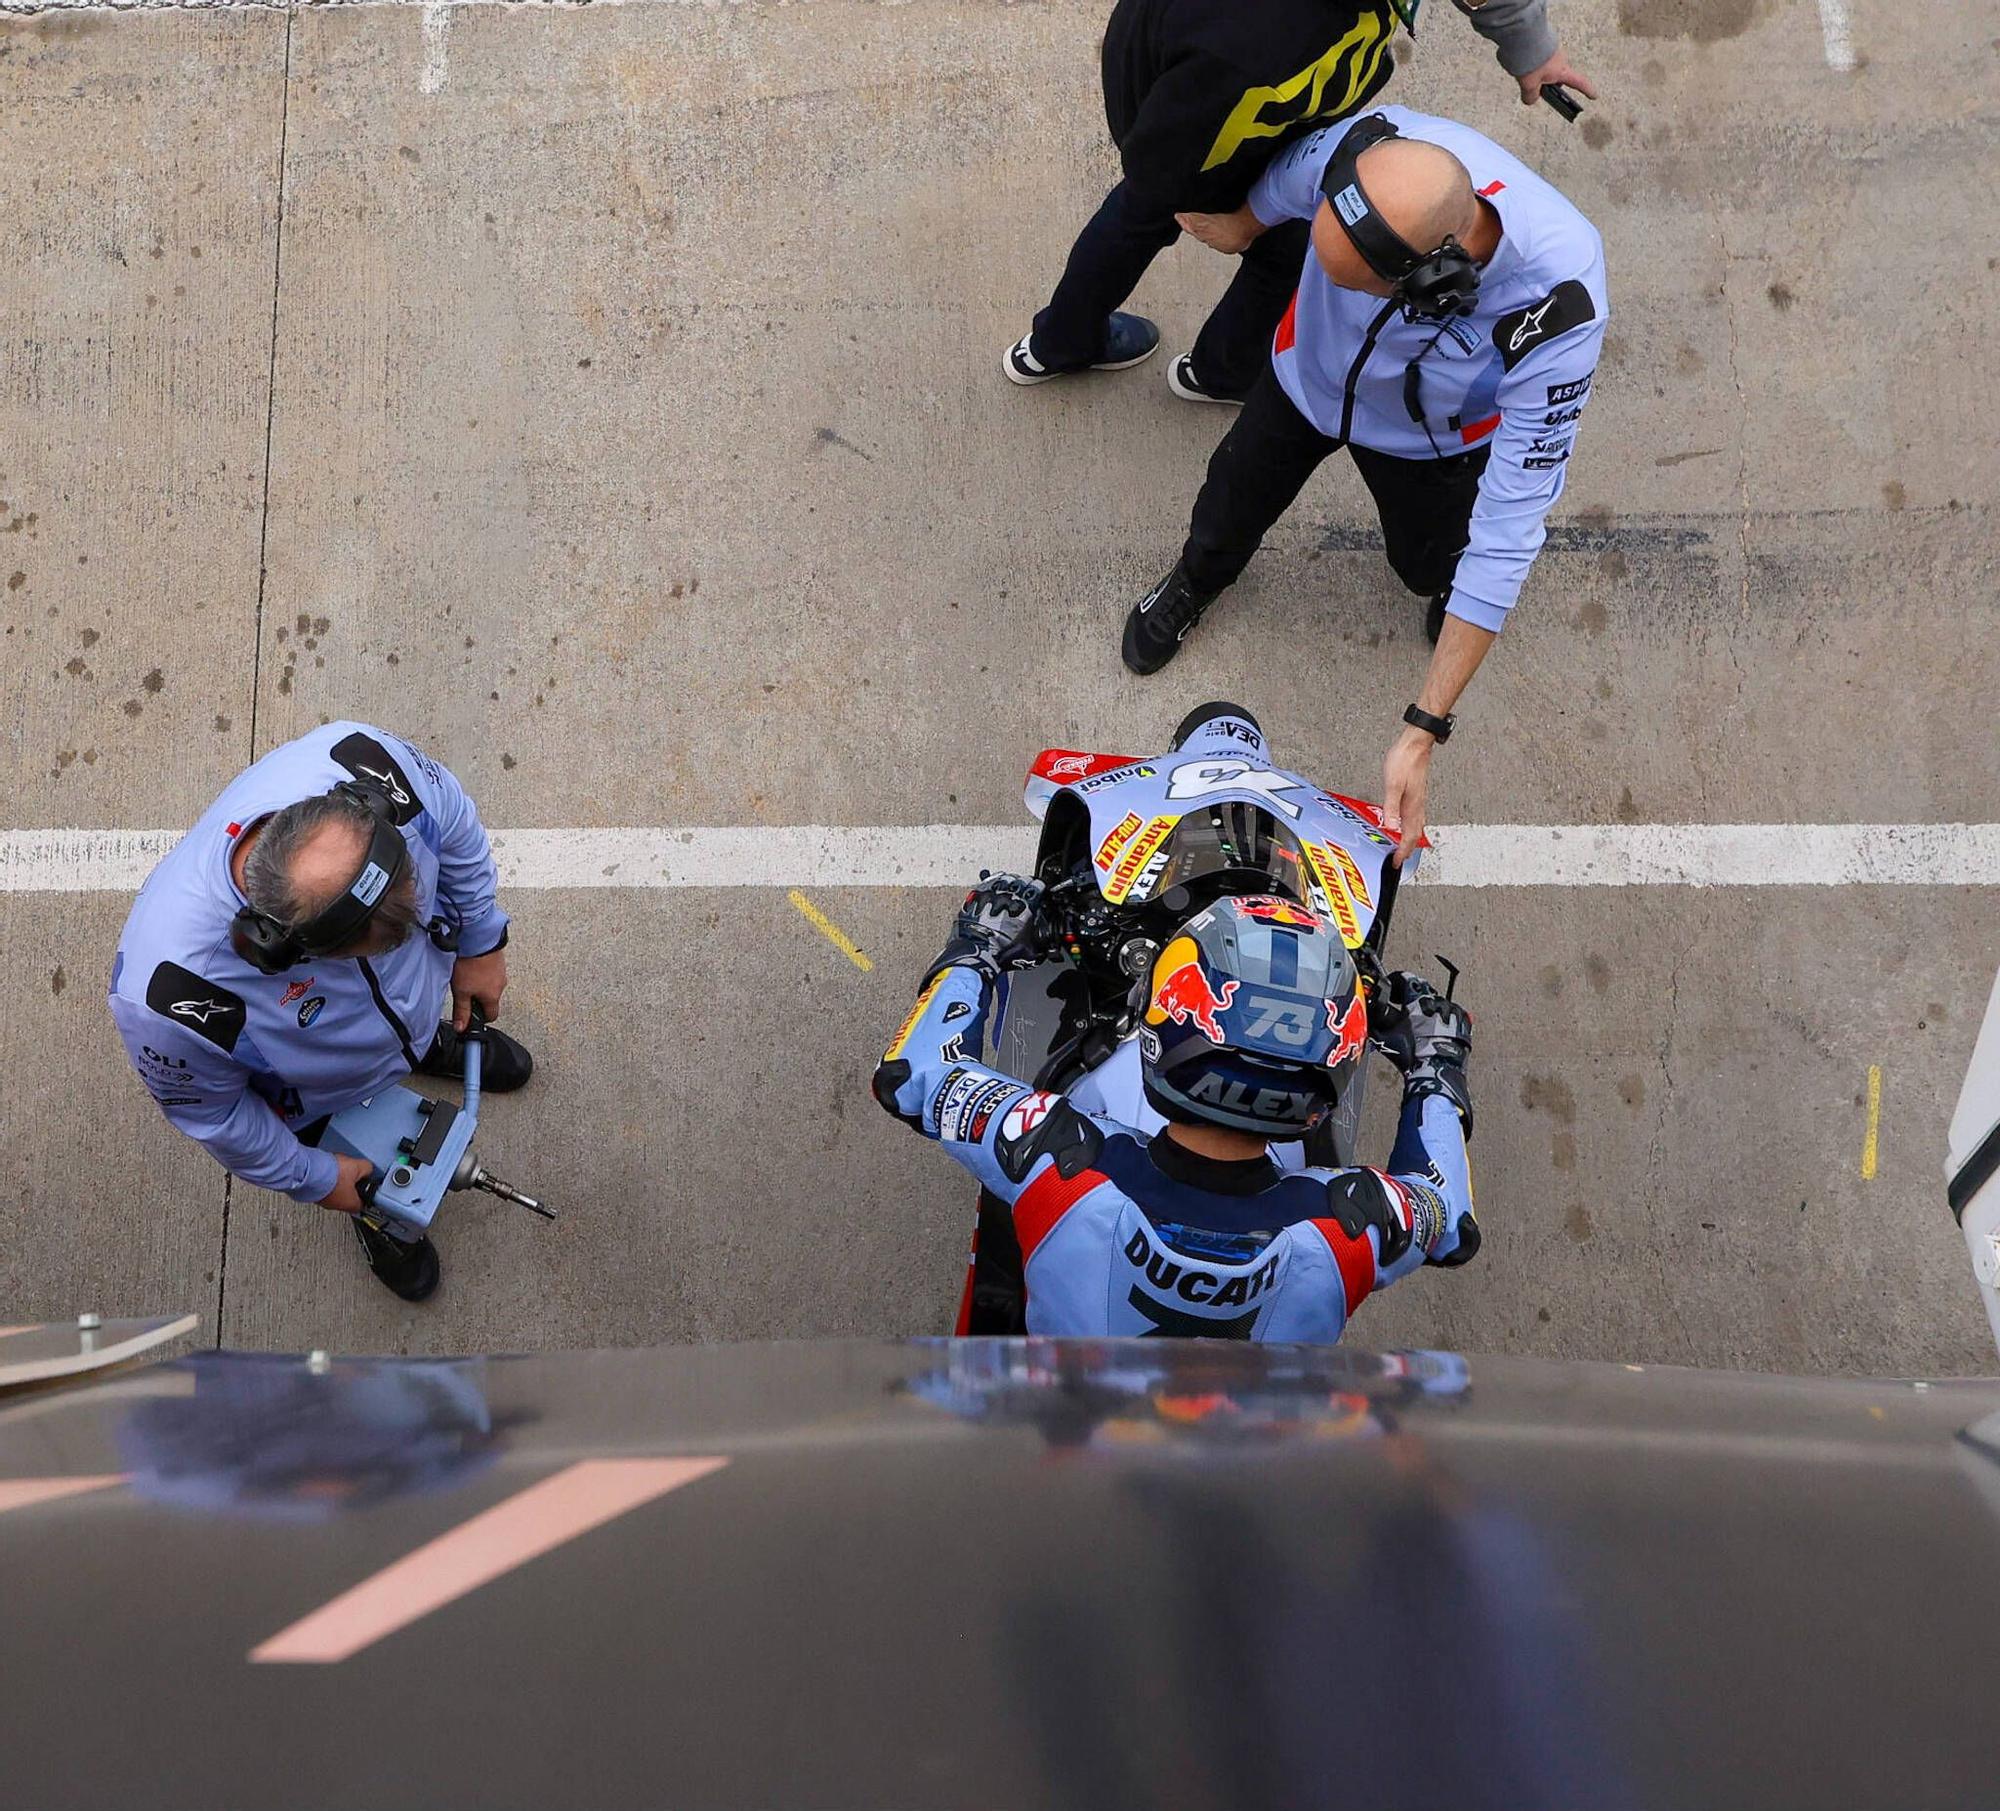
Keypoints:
(1232, 847)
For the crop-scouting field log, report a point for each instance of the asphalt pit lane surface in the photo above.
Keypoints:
(1704, 21)
(1549, 1094)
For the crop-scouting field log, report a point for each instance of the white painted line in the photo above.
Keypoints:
(810, 856)
(1833, 27)
(1715, 855)
(201, 6)
(80, 861)
(806, 856)
(437, 41)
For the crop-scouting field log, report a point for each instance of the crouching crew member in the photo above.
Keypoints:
(291, 956)
(1445, 332)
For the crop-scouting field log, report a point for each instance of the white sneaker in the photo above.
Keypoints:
(1184, 384)
(1021, 365)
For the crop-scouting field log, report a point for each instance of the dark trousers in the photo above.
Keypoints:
(1257, 472)
(1111, 255)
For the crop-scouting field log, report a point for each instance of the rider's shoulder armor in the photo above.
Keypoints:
(1359, 1198)
(1070, 1137)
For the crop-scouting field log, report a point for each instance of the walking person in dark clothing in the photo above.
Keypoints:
(1200, 95)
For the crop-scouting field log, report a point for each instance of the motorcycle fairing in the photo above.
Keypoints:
(1134, 805)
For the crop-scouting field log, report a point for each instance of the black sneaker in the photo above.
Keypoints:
(1434, 616)
(1160, 622)
(1129, 339)
(507, 1066)
(1189, 388)
(409, 1270)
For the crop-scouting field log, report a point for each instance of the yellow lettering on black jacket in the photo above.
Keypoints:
(1326, 88)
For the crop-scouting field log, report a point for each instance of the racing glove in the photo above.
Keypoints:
(997, 928)
(1427, 1037)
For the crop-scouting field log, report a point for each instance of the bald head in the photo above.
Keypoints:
(1422, 193)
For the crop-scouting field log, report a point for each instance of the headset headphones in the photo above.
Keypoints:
(1430, 286)
(271, 947)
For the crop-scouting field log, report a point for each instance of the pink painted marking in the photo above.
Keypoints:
(495, 1542)
(25, 1493)
(4, 1331)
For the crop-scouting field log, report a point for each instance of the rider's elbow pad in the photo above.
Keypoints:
(890, 1080)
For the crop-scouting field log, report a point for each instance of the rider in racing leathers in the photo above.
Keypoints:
(1256, 1017)
(1115, 1087)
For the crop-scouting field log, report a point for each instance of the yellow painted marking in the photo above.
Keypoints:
(831, 931)
(1874, 1122)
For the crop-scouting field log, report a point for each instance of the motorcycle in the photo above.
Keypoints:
(1130, 849)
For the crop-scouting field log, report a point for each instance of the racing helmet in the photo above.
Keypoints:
(1220, 725)
(1255, 1017)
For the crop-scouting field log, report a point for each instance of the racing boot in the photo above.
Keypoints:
(408, 1270)
(1160, 621)
(507, 1065)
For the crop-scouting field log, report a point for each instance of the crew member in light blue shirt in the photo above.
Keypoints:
(1445, 331)
(291, 956)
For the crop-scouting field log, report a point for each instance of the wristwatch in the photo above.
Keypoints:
(1438, 727)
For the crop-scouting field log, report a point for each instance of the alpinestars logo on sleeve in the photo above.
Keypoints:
(389, 783)
(200, 1010)
(205, 1007)
(1531, 325)
(369, 762)
(1516, 336)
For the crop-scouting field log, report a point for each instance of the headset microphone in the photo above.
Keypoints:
(1429, 286)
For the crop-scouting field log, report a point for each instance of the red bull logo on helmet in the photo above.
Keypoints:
(1349, 1028)
(1182, 993)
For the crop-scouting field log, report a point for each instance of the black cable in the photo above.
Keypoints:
(1413, 393)
(1360, 359)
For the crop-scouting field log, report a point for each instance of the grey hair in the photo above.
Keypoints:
(268, 881)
